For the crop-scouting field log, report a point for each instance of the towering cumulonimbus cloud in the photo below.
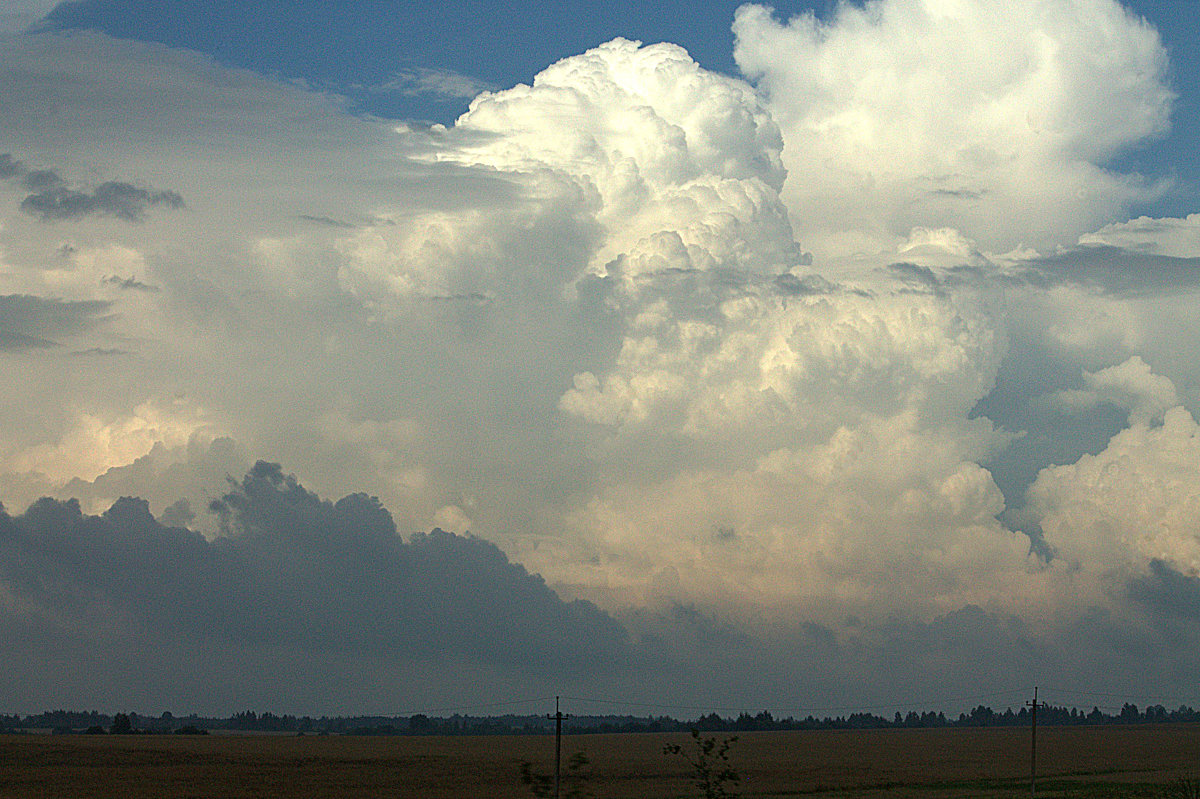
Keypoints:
(757, 365)
(749, 399)
(999, 119)
(767, 429)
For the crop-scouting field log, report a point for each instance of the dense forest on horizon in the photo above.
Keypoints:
(249, 721)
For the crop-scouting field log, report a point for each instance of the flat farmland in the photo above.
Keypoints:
(1110, 761)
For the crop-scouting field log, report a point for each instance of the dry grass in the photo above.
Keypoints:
(1073, 762)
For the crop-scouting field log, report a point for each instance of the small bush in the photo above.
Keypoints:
(712, 771)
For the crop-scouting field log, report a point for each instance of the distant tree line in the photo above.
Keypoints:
(65, 721)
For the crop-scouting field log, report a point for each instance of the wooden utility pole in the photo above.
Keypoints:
(558, 720)
(1033, 706)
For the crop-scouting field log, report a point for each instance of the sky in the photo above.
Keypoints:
(394, 357)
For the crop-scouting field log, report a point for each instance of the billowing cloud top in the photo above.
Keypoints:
(994, 118)
(636, 158)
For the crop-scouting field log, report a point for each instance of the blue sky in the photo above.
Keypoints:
(366, 43)
(355, 49)
(777, 344)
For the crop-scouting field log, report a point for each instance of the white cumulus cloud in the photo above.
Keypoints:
(995, 118)
(1137, 500)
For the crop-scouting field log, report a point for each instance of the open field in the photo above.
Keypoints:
(1113, 761)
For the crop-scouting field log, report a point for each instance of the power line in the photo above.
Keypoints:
(783, 709)
(1143, 697)
(456, 708)
(812, 709)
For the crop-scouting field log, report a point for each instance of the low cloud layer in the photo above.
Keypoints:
(51, 199)
(114, 198)
(297, 585)
(27, 321)
(291, 573)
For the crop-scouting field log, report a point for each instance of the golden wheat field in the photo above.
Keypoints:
(1113, 761)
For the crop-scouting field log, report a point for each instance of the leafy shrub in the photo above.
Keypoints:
(712, 771)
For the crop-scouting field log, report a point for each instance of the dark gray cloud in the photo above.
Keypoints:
(327, 221)
(973, 651)
(796, 286)
(1117, 271)
(100, 352)
(952, 662)
(10, 167)
(51, 198)
(961, 194)
(32, 179)
(112, 198)
(295, 573)
(472, 297)
(10, 340)
(27, 321)
(42, 180)
(313, 603)
(130, 284)
(1168, 592)
(916, 275)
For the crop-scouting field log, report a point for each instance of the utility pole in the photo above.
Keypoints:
(1033, 706)
(558, 720)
